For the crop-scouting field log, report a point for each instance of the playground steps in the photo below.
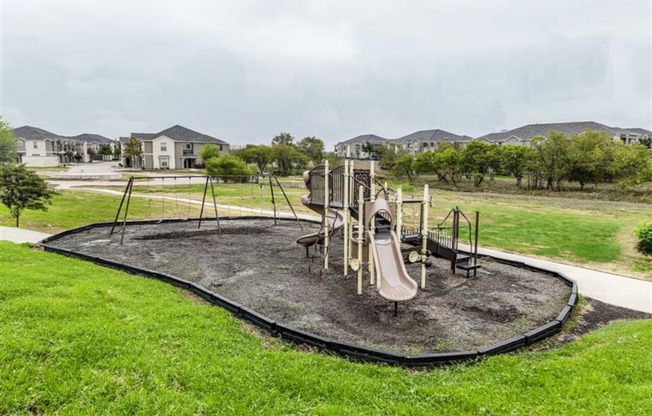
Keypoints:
(469, 265)
(457, 258)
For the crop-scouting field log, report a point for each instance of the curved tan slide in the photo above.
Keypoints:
(394, 282)
(335, 222)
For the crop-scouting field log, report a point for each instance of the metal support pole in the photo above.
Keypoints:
(456, 227)
(372, 224)
(124, 223)
(475, 252)
(124, 195)
(399, 213)
(203, 201)
(271, 188)
(289, 203)
(345, 207)
(351, 204)
(424, 235)
(326, 221)
(360, 234)
(217, 217)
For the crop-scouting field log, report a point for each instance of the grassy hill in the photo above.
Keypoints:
(76, 338)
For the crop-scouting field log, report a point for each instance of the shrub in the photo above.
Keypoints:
(228, 165)
(644, 234)
(210, 151)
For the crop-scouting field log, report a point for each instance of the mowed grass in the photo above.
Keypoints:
(572, 230)
(76, 338)
(70, 209)
(249, 196)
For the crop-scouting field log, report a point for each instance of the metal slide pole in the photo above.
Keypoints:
(124, 223)
(124, 195)
(203, 201)
(217, 217)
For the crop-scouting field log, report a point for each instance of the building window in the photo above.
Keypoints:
(164, 147)
(164, 163)
(35, 145)
(187, 146)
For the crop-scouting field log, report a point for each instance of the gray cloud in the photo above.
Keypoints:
(246, 70)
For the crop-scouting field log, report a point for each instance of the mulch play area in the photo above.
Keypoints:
(258, 264)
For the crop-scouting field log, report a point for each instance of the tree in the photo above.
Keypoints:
(633, 164)
(105, 150)
(209, 152)
(288, 158)
(591, 155)
(424, 163)
(133, 150)
(283, 139)
(404, 166)
(228, 165)
(516, 161)
(368, 147)
(8, 143)
(552, 161)
(117, 150)
(647, 142)
(313, 148)
(262, 156)
(447, 164)
(22, 189)
(477, 160)
(387, 155)
(444, 161)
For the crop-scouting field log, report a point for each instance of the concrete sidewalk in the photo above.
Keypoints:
(20, 235)
(606, 287)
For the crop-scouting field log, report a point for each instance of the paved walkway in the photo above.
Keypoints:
(20, 235)
(606, 287)
(609, 288)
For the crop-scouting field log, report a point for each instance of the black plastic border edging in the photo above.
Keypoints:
(296, 336)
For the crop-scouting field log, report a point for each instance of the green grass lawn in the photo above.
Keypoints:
(72, 209)
(76, 338)
(251, 196)
(595, 233)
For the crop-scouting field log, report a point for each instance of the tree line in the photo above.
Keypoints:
(283, 157)
(592, 157)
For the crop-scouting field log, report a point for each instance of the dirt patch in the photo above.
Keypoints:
(596, 314)
(258, 264)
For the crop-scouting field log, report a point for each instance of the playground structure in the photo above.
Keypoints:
(371, 217)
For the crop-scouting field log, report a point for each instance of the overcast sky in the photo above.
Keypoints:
(245, 70)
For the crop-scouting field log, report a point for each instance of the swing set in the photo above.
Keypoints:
(208, 182)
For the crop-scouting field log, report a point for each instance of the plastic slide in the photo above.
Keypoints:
(394, 283)
(335, 222)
